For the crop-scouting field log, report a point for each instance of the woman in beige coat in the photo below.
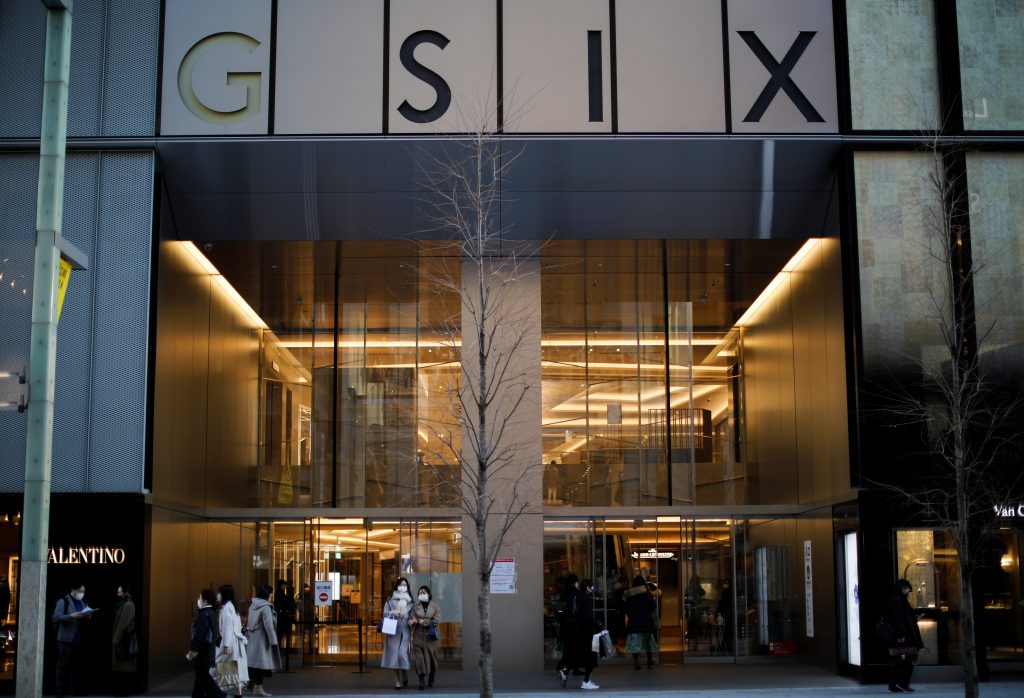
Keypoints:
(423, 649)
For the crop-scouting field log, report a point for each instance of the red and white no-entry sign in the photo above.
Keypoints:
(323, 592)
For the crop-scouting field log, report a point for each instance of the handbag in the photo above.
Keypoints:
(904, 653)
(432, 633)
(128, 647)
(227, 674)
(389, 625)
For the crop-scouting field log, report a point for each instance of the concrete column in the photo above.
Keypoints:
(517, 622)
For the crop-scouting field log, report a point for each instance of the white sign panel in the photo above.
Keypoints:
(808, 588)
(443, 66)
(852, 599)
(782, 66)
(216, 64)
(329, 59)
(503, 576)
(323, 592)
(432, 66)
(670, 65)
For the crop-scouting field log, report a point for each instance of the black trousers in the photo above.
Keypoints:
(204, 686)
(65, 669)
(257, 675)
(900, 671)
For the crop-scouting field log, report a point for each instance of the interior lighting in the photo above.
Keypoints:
(770, 290)
(1006, 562)
(207, 266)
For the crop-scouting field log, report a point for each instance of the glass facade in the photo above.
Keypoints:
(991, 43)
(899, 232)
(893, 65)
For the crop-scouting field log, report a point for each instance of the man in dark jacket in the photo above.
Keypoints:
(68, 616)
(903, 650)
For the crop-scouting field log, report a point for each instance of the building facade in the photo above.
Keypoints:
(728, 235)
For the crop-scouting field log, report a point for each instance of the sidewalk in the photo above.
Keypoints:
(789, 680)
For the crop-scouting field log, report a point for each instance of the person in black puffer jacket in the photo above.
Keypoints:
(641, 622)
(576, 632)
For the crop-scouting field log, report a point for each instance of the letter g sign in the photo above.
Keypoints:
(251, 81)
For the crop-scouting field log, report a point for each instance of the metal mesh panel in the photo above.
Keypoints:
(114, 58)
(71, 399)
(22, 45)
(18, 176)
(102, 339)
(121, 324)
(133, 54)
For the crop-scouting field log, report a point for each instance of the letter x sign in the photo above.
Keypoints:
(782, 75)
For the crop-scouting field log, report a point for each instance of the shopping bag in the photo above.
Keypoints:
(389, 626)
(607, 646)
(595, 643)
(432, 633)
(227, 675)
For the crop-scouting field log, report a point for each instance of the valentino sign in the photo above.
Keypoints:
(91, 555)
(434, 66)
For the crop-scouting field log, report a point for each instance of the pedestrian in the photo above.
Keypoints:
(284, 604)
(232, 663)
(641, 626)
(396, 647)
(202, 643)
(424, 618)
(577, 631)
(725, 610)
(124, 642)
(68, 617)
(907, 641)
(264, 655)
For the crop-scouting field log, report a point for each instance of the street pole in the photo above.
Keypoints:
(35, 519)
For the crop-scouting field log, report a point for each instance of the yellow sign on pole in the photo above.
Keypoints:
(63, 276)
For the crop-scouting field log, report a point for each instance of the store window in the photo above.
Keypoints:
(893, 64)
(928, 560)
(991, 63)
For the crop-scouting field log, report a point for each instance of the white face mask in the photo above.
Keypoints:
(78, 595)
(200, 604)
(424, 597)
(218, 598)
(403, 588)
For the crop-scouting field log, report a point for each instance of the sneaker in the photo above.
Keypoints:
(563, 676)
(589, 686)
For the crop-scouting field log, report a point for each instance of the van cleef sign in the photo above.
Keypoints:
(428, 66)
(91, 555)
(1009, 511)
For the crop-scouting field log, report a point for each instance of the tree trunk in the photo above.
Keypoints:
(483, 602)
(967, 632)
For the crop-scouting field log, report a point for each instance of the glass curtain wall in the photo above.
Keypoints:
(688, 565)
(358, 365)
(642, 369)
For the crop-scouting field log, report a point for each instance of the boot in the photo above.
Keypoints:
(650, 660)
(423, 684)
(430, 680)
(636, 661)
(257, 690)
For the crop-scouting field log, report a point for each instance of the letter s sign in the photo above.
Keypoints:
(251, 81)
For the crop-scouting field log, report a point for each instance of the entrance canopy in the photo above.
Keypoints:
(562, 188)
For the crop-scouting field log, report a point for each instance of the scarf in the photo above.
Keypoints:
(403, 600)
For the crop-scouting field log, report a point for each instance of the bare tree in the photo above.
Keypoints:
(963, 412)
(495, 332)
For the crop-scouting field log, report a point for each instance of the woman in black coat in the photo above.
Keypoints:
(201, 647)
(576, 632)
(642, 621)
(900, 616)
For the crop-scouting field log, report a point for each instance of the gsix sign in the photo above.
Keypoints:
(425, 66)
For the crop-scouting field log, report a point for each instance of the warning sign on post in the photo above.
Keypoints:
(503, 576)
(323, 592)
